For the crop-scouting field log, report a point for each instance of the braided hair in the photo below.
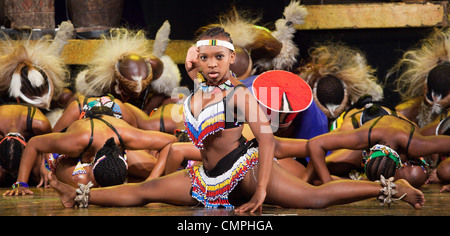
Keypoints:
(215, 32)
(11, 150)
(330, 90)
(438, 82)
(382, 165)
(110, 167)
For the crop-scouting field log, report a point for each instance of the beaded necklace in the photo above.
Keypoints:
(205, 86)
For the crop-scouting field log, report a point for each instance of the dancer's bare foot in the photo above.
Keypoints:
(414, 196)
(66, 192)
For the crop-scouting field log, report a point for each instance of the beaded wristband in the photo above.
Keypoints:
(19, 184)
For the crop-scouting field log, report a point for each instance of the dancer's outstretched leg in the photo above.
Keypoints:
(284, 190)
(172, 189)
(288, 191)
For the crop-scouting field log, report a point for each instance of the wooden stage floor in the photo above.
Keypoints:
(45, 202)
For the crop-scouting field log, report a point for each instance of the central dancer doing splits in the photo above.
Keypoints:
(235, 172)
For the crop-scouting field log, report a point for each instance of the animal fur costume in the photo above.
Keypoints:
(431, 59)
(347, 65)
(32, 71)
(269, 50)
(123, 48)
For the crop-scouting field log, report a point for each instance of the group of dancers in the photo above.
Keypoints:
(255, 130)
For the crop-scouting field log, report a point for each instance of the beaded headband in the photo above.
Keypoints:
(15, 136)
(215, 42)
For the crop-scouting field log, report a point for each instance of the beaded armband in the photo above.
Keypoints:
(19, 184)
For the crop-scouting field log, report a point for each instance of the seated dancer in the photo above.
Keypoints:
(85, 142)
(229, 160)
(20, 122)
(392, 138)
(343, 162)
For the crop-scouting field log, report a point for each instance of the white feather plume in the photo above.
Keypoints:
(170, 78)
(35, 77)
(161, 40)
(16, 84)
(294, 14)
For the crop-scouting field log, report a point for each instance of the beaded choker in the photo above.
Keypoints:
(205, 86)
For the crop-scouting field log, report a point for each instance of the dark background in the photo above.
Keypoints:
(383, 47)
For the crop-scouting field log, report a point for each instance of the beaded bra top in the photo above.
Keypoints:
(106, 101)
(211, 119)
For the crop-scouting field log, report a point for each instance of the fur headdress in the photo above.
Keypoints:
(415, 65)
(413, 69)
(346, 64)
(99, 78)
(31, 71)
(294, 14)
(102, 74)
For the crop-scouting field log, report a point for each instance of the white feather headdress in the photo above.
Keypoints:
(171, 77)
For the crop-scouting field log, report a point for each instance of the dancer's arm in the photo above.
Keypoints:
(427, 145)
(290, 147)
(138, 139)
(320, 145)
(262, 131)
(71, 144)
(70, 115)
(169, 161)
